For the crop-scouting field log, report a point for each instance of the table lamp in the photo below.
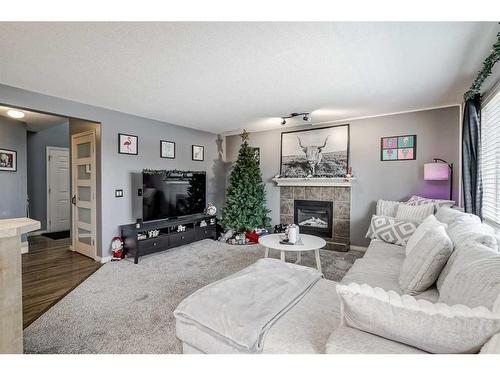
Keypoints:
(440, 170)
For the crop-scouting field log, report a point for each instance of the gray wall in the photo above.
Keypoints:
(13, 184)
(56, 136)
(117, 169)
(437, 136)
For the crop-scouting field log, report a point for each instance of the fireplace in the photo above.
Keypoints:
(314, 217)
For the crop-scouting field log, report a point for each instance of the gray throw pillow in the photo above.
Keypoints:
(414, 213)
(423, 264)
(387, 208)
(391, 230)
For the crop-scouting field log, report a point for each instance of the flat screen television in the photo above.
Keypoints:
(171, 194)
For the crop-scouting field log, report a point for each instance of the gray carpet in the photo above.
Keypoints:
(127, 308)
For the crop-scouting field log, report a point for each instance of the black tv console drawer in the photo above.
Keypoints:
(181, 238)
(169, 237)
(152, 245)
(205, 232)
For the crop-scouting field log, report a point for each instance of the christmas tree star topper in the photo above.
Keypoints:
(244, 135)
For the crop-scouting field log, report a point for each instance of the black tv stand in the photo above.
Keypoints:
(138, 242)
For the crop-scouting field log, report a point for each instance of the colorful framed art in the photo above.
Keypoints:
(398, 147)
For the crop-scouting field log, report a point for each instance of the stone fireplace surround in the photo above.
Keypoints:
(340, 196)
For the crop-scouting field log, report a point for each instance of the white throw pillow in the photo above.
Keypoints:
(466, 229)
(414, 213)
(448, 215)
(387, 208)
(428, 223)
(473, 279)
(391, 230)
(435, 328)
(422, 266)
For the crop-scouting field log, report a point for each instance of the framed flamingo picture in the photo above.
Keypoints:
(127, 144)
(401, 147)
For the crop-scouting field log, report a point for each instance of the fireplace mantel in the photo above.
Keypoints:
(313, 181)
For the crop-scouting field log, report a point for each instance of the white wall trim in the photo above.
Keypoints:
(358, 248)
(237, 132)
(103, 259)
(460, 128)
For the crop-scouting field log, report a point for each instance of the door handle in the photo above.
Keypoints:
(73, 199)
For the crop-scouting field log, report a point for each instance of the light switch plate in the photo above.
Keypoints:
(118, 193)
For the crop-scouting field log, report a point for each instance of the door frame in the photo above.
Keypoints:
(47, 179)
(93, 217)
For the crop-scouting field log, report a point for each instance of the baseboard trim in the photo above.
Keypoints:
(103, 259)
(358, 248)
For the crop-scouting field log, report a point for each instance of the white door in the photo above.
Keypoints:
(58, 190)
(83, 193)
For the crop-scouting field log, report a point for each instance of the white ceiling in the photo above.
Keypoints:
(222, 77)
(35, 121)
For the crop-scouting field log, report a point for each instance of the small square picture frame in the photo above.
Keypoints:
(8, 160)
(198, 152)
(128, 144)
(167, 149)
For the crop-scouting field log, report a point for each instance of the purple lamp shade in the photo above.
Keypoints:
(436, 172)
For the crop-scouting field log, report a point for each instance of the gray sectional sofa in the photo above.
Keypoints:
(313, 325)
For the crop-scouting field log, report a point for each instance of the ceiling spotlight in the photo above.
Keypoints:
(305, 116)
(15, 113)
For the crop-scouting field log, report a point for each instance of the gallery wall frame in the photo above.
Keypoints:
(128, 144)
(167, 149)
(8, 160)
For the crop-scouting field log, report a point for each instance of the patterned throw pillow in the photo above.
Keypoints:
(416, 200)
(391, 230)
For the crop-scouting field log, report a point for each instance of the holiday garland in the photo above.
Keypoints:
(485, 72)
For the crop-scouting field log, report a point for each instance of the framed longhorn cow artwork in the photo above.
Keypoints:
(318, 152)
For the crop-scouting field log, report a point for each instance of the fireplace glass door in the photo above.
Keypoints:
(313, 217)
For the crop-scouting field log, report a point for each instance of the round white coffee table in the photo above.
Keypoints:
(308, 243)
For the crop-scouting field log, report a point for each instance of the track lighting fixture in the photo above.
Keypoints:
(305, 117)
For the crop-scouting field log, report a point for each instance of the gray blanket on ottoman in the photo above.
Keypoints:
(240, 309)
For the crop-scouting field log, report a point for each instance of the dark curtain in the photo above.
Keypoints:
(471, 145)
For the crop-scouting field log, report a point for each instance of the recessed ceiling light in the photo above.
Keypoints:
(15, 113)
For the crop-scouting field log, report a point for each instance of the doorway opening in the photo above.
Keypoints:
(57, 182)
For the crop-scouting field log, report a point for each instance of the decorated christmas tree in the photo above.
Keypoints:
(245, 208)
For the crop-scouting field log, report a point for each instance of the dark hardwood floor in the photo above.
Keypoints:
(50, 271)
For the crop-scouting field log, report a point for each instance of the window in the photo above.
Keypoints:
(490, 159)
